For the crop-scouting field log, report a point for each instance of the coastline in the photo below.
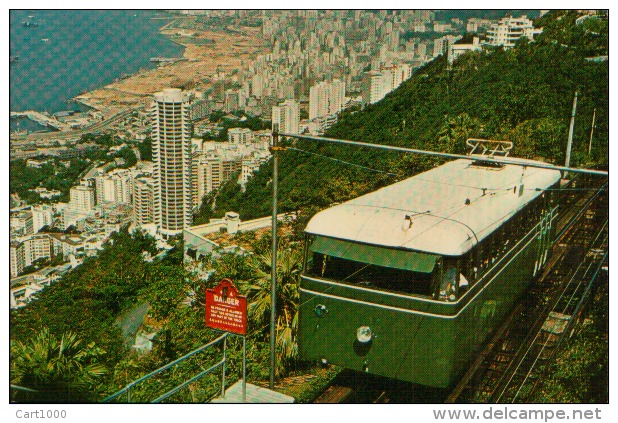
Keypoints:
(223, 51)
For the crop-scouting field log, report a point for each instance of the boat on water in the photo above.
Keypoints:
(45, 40)
(29, 24)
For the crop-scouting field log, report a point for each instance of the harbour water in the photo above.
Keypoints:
(69, 52)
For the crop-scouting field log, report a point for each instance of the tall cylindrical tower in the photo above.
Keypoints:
(171, 156)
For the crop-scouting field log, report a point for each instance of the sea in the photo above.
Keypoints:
(64, 53)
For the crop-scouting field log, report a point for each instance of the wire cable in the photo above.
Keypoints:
(342, 161)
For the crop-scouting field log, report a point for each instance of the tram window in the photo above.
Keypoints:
(464, 285)
(448, 285)
(474, 264)
(470, 268)
(495, 247)
(369, 275)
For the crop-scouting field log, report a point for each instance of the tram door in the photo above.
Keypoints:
(544, 238)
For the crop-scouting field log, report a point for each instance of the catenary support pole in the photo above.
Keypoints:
(273, 286)
(223, 368)
(594, 115)
(244, 369)
(567, 162)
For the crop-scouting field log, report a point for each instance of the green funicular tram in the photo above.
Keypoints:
(409, 281)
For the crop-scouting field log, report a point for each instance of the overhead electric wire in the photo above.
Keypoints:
(342, 161)
(501, 160)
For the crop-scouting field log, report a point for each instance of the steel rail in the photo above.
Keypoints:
(582, 210)
(537, 331)
(464, 383)
(571, 323)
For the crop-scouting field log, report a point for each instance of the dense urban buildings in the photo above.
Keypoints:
(171, 155)
(317, 64)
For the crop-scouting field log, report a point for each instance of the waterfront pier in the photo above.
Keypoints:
(42, 119)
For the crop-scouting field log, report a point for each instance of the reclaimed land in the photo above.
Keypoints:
(206, 52)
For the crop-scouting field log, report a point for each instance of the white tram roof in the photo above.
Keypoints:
(435, 200)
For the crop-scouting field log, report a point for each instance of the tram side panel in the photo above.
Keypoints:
(410, 340)
(413, 339)
(494, 296)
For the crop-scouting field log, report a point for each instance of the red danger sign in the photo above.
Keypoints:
(225, 309)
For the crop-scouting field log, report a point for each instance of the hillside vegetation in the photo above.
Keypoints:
(524, 95)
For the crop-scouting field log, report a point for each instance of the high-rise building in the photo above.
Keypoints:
(195, 178)
(250, 165)
(42, 214)
(18, 258)
(68, 217)
(82, 198)
(239, 135)
(171, 156)
(375, 86)
(38, 247)
(104, 187)
(21, 223)
(211, 169)
(287, 116)
(508, 30)
(234, 100)
(398, 74)
(114, 187)
(326, 98)
(122, 186)
(143, 200)
(441, 45)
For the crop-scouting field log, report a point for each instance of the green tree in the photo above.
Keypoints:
(258, 291)
(456, 130)
(60, 370)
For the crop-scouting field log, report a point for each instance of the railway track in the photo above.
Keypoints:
(517, 358)
(350, 387)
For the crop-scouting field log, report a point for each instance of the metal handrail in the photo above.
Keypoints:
(188, 382)
(127, 389)
(21, 388)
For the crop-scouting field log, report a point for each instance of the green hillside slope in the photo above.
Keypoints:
(524, 95)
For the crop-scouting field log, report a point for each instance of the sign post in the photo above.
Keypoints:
(226, 310)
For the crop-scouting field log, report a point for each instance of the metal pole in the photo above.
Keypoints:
(273, 287)
(244, 369)
(223, 371)
(503, 160)
(594, 115)
(570, 142)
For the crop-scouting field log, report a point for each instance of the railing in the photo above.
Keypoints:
(21, 388)
(14, 388)
(127, 389)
